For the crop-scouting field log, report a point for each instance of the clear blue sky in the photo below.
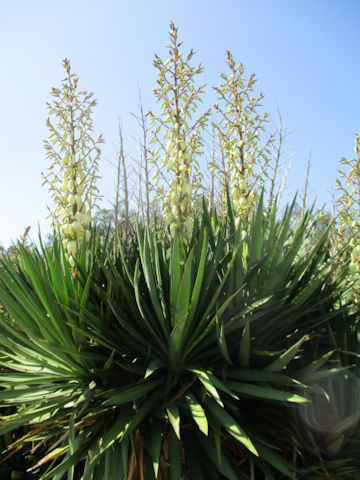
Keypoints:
(305, 54)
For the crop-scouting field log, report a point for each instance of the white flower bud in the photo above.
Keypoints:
(86, 218)
(352, 268)
(188, 224)
(63, 214)
(183, 146)
(77, 227)
(71, 247)
(66, 228)
(235, 194)
(168, 218)
(175, 211)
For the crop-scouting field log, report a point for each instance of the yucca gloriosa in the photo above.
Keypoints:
(175, 360)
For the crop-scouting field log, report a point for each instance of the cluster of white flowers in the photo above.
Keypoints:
(242, 198)
(74, 156)
(245, 152)
(178, 98)
(348, 209)
(178, 204)
(354, 265)
(74, 213)
(242, 189)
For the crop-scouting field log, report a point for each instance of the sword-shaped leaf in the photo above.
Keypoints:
(197, 412)
(244, 348)
(285, 358)
(174, 456)
(156, 443)
(174, 418)
(229, 424)
(269, 393)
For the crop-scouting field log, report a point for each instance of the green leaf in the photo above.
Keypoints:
(228, 423)
(68, 461)
(121, 395)
(314, 365)
(244, 349)
(266, 392)
(125, 455)
(191, 449)
(156, 443)
(197, 289)
(147, 265)
(335, 447)
(285, 358)
(217, 459)
(184, 291)
(254, 375)
(222, 340)
(117, 430)
(175, 276)
(174, 418)
(175, 340)
(197, 412)
(72, 446)
(205, 379)
(275, 460)
(152, 367)
(174, 456)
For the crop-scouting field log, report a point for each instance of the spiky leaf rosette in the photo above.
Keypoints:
(173, 358)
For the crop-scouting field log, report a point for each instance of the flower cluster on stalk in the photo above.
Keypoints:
(74, 156)
(348, 205)
(177, 137)
(240, 128)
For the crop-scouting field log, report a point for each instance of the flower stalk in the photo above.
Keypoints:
(74, 161)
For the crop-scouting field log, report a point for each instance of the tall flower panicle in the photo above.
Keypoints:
(177, 137)
(246, 155)
(74, 156)
(348, 205)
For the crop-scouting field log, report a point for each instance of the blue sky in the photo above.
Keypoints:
(305, 54)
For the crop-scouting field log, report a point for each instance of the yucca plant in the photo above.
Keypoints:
(173, 361)
(330, 427)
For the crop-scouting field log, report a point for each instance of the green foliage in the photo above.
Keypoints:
(226, 349)
(135, 364)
